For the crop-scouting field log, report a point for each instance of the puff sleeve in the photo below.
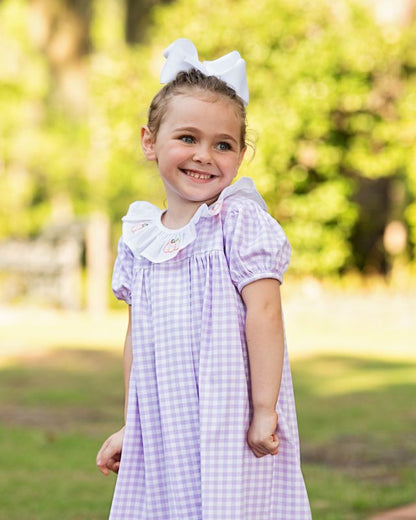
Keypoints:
(256, 246)
(123, 273)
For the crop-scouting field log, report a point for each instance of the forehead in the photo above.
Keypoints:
(203, 109)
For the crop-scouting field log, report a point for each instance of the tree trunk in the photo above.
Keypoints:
(98, 261)
(61, 29)
(138, 18)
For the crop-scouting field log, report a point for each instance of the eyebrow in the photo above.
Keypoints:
(226, 137)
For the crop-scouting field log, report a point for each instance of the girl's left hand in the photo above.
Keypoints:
(261, 436)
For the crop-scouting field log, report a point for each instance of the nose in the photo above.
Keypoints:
(202, 154)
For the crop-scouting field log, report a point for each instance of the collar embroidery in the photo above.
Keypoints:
(146, 236)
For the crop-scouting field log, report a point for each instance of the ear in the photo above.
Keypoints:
(148, 143)
(241, 157)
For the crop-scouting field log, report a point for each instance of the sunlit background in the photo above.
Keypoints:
(332, 123)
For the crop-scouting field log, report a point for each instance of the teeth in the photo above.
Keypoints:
(195, 175)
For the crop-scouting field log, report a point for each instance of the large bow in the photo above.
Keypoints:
(181, 55)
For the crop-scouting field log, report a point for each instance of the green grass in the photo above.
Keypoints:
(356, 420)
(357, 425)
(54, 413)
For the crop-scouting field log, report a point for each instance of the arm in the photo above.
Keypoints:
(108, 458)
(265, 343)
(127, 362)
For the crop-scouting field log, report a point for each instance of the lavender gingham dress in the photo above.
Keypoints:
(185, 455)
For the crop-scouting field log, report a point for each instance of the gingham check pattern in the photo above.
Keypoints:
(185, 455)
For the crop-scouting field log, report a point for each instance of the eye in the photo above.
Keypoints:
(223, 146)
(189, 139)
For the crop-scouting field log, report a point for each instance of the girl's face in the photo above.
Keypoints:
(197, 148)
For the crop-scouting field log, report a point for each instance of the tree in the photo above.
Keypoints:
(62, 31)
(331, 97)
(332, 112)
(137, 17)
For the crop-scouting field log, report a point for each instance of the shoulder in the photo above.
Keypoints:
(242, 198)
(255, 244)
(141, 210)
(241, 204)
(247, 212)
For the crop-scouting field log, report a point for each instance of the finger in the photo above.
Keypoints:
(100, 454)
(274, 452)
(104, 470)
(107, 451)
(103, 461)
(268, 447)
(113, 464)
(258, 454)
(265, 448)
(258, 450)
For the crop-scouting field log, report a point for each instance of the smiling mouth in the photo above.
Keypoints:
(198, 175)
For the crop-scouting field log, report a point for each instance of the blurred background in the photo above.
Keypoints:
(332, 119)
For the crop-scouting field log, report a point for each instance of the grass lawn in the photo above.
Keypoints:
(55, 411)
(357, 425)
(356, 418)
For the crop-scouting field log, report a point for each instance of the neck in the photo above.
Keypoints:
(177, 217)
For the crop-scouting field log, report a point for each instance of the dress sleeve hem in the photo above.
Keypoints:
(123, 294)
(259, 276)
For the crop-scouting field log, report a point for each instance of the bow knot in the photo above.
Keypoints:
(181, 55)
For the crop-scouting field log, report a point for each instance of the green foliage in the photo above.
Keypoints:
(42, 150)
(332, 99)
(332, 110)
(18, 103)
(120, 92)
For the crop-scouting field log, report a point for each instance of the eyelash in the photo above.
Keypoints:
(223, 146)
(187, 138)
(227, 146)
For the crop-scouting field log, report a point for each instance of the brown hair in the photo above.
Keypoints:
(193, 80)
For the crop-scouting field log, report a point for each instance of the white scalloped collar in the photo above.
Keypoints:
(145, 235)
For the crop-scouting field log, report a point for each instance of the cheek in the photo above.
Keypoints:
(234, 165)
(172, 155)
(179, 153)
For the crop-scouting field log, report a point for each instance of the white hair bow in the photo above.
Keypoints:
(181, 55)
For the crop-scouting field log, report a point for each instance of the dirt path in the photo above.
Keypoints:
(401, 513)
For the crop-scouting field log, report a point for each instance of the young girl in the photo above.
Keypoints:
(211, 430)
